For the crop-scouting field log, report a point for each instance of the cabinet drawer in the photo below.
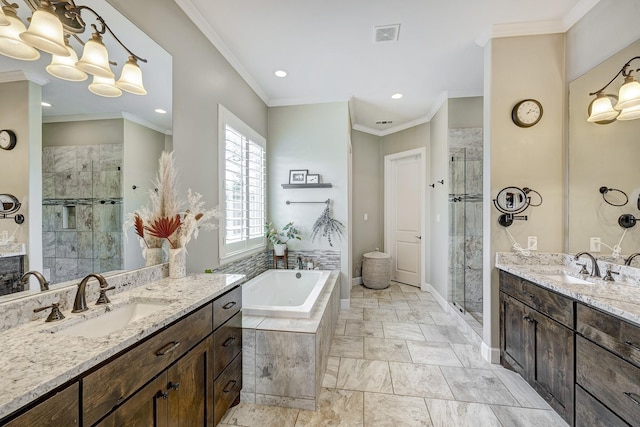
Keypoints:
(105, 388)
(622, 338)
(59, 410)
(511, 285)
(226, 306)
(610, 379)
(591, 413)
(227, 388)
(549, 303)
(227, 342)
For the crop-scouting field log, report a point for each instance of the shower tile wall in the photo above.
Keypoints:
(466, 228)
(80, 233)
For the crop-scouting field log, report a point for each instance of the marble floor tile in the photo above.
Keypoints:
(341, 324)
(406, 296)
(364, 302)
(394, 288)
(335, 408)
(402, 331)
(250, 415)
(351, 314)
(448, 334)
(470, 356)
(449, 413)
(393, 304)
(425, 296)
(361, 328)
(343, 346)
(444, 319)
(477, 385)
(356, 293)
(377, 293)
(331, 374)
(380, 314)
(527, 417)
(520, 389)
(364, 375)
(408, 288)
(386, 349)
(432, 353)
(383, 410)
(430, 306)
(419, 380)
(415, 315)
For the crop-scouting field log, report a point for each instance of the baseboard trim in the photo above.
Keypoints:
(345, 304)
(490, 354)
(439, 299)
(356, 281)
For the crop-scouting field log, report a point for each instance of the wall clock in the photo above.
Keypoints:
(7, 139)
(526, 113)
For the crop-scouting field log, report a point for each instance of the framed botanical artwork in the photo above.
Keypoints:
(313, 178)
(298, 176)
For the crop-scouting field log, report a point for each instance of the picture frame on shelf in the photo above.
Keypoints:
(313, 178)
(298, 176)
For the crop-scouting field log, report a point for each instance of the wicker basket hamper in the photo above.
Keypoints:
(376, 270)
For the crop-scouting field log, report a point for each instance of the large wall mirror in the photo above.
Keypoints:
(99, 154)
(603, 156)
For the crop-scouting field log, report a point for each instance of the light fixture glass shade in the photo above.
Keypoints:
(601, 109)
(131, 78)
(104, 87)
(631, 113)
(3, 18)
(629, 95)
(11, 44)
(45, 31)
(95, 58)
(64, 67)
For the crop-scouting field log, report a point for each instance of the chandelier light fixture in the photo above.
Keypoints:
(627, 103)
(51, 26)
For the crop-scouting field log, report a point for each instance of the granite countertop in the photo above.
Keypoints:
(12, 249)
(620, 298)
(35, 360)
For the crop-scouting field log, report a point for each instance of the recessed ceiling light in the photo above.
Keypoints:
(397, 96)
(280, 73)
(45, 104)
(160, 111)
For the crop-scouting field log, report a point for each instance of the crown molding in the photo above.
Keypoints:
(19, 75)
(285, 102)
(105, 116)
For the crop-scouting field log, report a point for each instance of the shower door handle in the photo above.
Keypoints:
(418, 237)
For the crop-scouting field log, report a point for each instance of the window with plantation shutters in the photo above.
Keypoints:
(243, 163)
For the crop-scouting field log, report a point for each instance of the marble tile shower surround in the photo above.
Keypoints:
(20, 311)
(620, 298)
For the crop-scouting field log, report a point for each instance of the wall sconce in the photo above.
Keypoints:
(51, 25)
(627, 103)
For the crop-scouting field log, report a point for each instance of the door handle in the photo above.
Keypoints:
(418, 237)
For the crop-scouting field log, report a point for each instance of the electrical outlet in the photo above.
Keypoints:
(532, 243)
(594, 244)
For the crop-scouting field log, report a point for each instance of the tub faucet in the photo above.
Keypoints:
(595, 271)
(44, 284)
(631, 257)
(80, 303)
(300, 264)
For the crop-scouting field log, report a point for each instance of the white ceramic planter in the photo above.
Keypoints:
(279, 249)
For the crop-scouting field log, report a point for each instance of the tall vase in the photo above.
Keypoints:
(177, 263)
(153, 256)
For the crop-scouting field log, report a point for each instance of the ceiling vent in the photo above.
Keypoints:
(384, 122)
(386, 33)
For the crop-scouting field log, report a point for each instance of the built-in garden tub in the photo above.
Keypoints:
(288, 321)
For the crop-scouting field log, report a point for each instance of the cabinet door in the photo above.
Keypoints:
(514, 334)
(553, 364)
(146, 408)
(190, 387)
(61, 409)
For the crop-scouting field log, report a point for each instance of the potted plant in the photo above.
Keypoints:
(279, 239)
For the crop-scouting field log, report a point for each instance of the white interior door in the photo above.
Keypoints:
(404, 207)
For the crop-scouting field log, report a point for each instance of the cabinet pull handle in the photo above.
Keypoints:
(168, 348)
(532, 296)
(632, 345)
(228, 305)
(228, 341)
(630, 396)
(173, 386)
(528, 319)
(230, 385)
(162, 395)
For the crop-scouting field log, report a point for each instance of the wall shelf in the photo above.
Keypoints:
(320, 185)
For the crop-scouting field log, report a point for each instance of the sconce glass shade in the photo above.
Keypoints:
(104, 87)
(95, 58)
(601, 109)
(45, 31)
(11, 44)
(64, 67)
(131, 78)
(3, 18)
(629, 95)
(631, 113)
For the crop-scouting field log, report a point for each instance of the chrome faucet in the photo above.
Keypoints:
(80, 303)
(595, 270)
(631, 257)
(44, 284)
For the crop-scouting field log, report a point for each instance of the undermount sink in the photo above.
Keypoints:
(111, 318)
(567, 279)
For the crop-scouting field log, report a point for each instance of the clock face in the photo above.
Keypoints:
(527, 113)
(7, 139)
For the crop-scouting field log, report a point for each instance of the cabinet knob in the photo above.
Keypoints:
(528, 319)
(162, 395)
(173, 386)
